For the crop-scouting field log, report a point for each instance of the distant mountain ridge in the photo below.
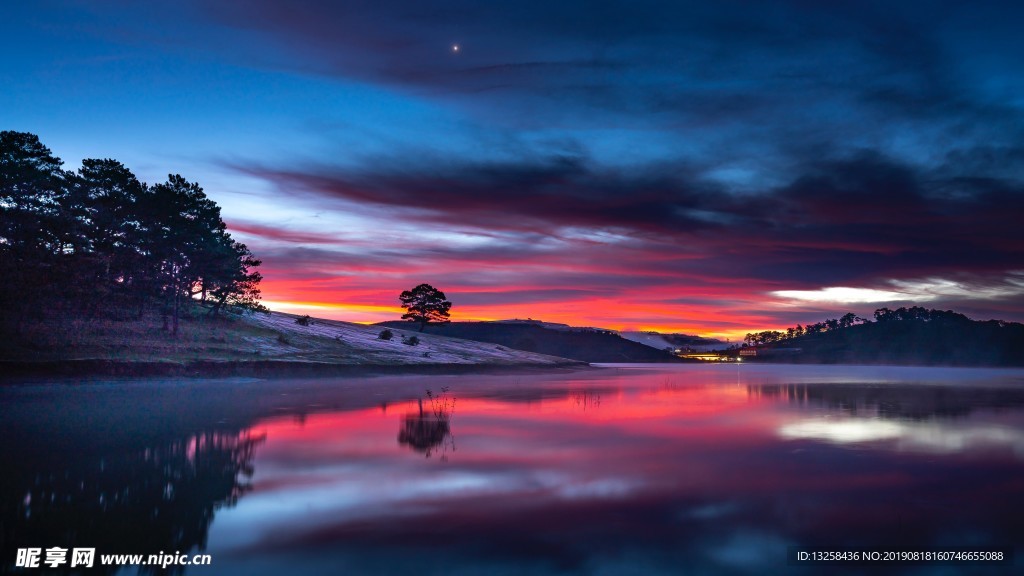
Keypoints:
(585, 344)
(674, 341)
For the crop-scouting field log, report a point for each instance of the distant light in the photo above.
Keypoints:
(455, 47)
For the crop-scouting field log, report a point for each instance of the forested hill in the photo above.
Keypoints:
(907, 336)
(98, 244)
(583, 344)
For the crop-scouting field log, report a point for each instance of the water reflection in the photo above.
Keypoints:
(427, 430)
(159, 498)
(911, 417)
(895, 399)
(586, 399)
(652, 471)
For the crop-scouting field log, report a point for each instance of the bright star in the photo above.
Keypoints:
(455, 47)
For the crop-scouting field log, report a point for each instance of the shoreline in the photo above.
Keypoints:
(19, 372)
(15, 372)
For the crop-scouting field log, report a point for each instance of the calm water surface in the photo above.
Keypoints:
(625, 470)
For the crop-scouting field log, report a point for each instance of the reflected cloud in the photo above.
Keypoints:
(750, 550)
(713, 511)
(843, 431)
(934, 437)
(599, 489)
(909, 417)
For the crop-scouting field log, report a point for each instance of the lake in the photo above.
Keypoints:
(629, 469)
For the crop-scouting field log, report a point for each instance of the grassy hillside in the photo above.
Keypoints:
(947, 342)
(275, 337)
(586, 346)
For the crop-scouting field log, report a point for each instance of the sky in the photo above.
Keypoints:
(708, 168)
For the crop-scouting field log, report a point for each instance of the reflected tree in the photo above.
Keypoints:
(584, 399)
(427, 430)
(162, 498)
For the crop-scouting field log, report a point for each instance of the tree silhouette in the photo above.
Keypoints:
(100, 242)
(228, 279)
(103, 201)
(425, 304)
(32, 185)
(847, 320)
(185, 223)
(33, 229)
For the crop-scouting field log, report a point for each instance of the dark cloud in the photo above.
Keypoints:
(847, 67)
(847, 219)
(565, 191)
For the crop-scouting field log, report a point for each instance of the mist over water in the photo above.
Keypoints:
(623, 470)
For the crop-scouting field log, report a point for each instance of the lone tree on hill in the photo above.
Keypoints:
(425, 304)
